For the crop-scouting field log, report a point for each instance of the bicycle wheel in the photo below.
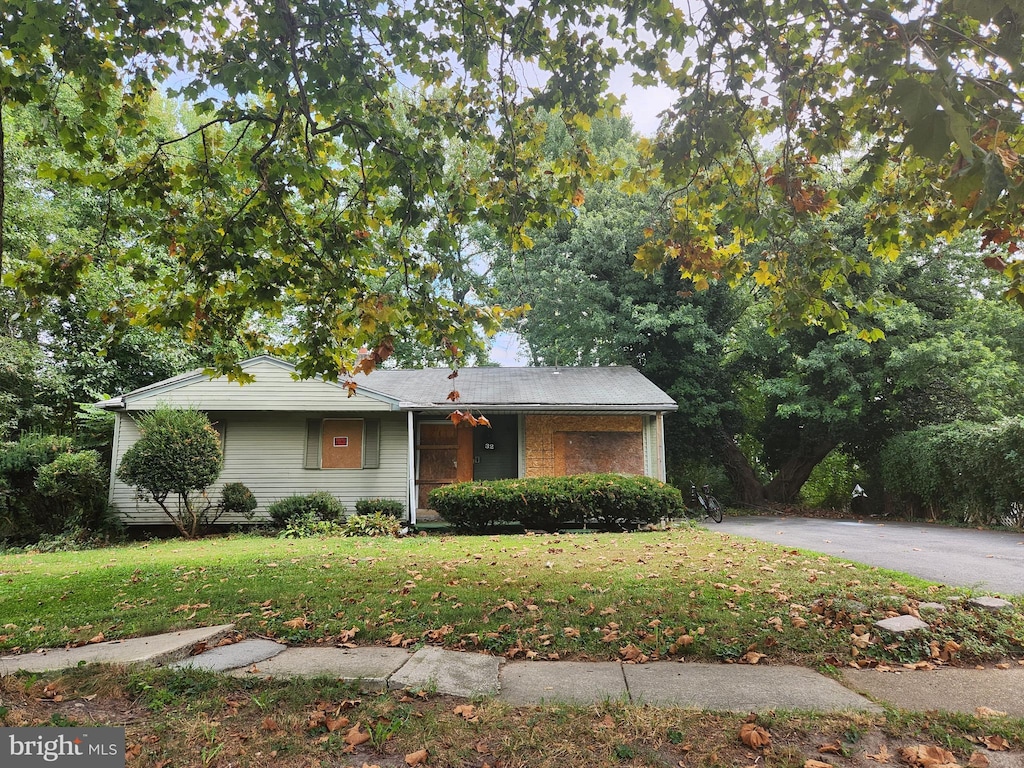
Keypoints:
(714, 508)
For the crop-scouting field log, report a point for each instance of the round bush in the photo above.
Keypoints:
(237, 499)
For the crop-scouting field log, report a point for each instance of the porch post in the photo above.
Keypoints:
(660, 430)
(412, 470)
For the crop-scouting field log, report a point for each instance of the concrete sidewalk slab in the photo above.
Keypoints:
(952, 690)
(157, 649)
(570, 682)
(468, 675)
(739, 688)
(226, 657)
(369, 666)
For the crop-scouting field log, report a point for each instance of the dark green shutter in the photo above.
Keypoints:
(371, 444)
(313, 427)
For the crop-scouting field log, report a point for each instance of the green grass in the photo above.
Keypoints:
(685, 592)
(191, 718)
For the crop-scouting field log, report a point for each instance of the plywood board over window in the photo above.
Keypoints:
(579, 452)
(341, 444)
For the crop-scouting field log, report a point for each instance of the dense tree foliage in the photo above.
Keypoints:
(916, 106)
(334, 150)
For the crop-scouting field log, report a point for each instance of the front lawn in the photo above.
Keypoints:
(680, 593)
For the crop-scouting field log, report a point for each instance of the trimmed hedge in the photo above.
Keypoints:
(390, 507)
(961, 471)
(550, 503)
(318, 505)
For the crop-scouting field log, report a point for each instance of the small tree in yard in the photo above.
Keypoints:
(178, 453)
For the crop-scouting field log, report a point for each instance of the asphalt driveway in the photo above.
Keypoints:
(992, 561)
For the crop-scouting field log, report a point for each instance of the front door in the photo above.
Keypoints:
(496, 449)
(444, 456)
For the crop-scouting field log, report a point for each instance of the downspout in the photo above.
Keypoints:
(412, 470)
(660, 439)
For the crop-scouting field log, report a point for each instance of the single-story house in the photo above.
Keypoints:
(392, 438)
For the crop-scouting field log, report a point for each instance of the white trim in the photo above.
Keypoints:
(662, 468)
(413, 494)
(113, 457)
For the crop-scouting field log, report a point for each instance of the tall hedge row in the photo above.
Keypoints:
(960, 471)
(550, 503)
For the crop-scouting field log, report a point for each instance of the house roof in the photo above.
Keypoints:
(619, 388)
(616, 388)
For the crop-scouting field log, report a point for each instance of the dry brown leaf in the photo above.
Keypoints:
(467, 712)
(270, 724)
(882, 756)
(987, 712)
(355, 737)
(927, 756)
(811, 763)
(832, 748)
(754, 736)
(97, 638)
(995, 743)
(978, 760)
(752, 657)
(416, 758)
(606, 722)
(336, 724)
(299, 622)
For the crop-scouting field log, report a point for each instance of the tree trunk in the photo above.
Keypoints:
(745, 482)
(792, 475)
(786, 484)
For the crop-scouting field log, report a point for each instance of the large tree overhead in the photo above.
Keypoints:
(788, 110)
(320, 174)
(321, 177)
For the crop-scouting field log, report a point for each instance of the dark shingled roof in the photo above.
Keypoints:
(613, 388)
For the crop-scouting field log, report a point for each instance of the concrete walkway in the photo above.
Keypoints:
(715, 687)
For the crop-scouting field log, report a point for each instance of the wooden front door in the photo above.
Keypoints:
(445, 456)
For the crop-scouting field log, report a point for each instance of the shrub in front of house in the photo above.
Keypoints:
(371, 524)
(178, 454)
(236, 499)
(319, 505)
(391, 507)
(550, 503)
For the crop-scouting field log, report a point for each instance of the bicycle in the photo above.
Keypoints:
(711, 506)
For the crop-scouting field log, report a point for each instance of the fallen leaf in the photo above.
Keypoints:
(995, 743)
(752, 657)
(882, 756)
(467, 712)
(927, 756)
(811, 763)
(355, 737)
(978, 760)
(986, 712)
(832, 748)
(754, 736)
(335, 724)
(606, 722)
(299, 622)
(416, 758)
(270, 724)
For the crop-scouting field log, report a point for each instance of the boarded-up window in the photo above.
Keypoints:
(342, 444)
(580, 452)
